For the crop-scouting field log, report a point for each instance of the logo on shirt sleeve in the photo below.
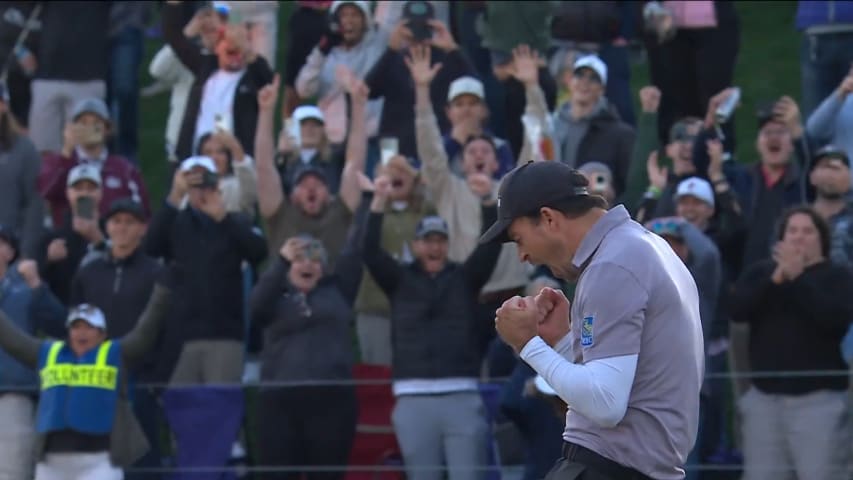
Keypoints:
(586, 331)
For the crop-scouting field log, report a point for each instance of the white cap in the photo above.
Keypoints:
(466, 86)
(362, 5)
(198, 161)
(84, 171)
(696, 187)
(594, 63)
(306, 112)
(543, 386)
(89, 314)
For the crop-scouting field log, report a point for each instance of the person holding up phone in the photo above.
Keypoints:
(63, 249)
(85, 142)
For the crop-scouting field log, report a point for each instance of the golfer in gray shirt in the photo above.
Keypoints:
(627, 355)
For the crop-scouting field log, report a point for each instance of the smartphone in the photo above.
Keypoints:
(85, 207)
(388, 148)
(727, 108)
(91, 134)
(291, 129)
(221, 123)
(419, 13)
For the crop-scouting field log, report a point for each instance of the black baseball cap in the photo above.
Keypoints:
(431, 224)
(307, 170)
(764, 113)
(126, 205)
(831, 151)
(530, 187)
(8, 235)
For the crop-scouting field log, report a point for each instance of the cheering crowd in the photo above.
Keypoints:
(320, 230)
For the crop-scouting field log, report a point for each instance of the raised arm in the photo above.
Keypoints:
(481, 263)
(140, 340)
(820, 125)
(270, 191)
(264, 297)
(384, 269)
(349, 266)
(647, 142)
(356, 152)
(526, 70)
(436, 171)
(173, 32)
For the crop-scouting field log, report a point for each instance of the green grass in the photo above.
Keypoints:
(767, 67)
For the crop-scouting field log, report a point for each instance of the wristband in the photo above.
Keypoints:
(654, 192)
(21, 52)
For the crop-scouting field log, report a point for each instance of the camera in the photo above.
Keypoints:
(209, 180)
(419, 13)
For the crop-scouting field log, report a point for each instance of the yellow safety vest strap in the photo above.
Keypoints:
(97, 375)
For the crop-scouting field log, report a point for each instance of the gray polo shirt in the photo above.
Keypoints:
(635, 296)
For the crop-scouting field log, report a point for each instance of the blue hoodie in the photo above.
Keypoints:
(30, 310)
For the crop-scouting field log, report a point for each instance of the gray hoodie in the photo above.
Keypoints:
(704, 264)
(21, 207)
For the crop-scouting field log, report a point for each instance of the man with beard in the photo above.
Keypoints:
(830, 176)
(310, 208)
(226, 83)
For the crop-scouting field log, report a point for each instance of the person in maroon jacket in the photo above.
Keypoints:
(85, 142)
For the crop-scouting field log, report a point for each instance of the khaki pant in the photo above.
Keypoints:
(51, 108)
(17, 436)
(77, 466)
(804, 437)
(205, 362)
(374, 339)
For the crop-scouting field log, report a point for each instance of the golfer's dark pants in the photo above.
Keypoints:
(306, 426)
(579, 463)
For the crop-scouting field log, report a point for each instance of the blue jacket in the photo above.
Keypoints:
(78, 394)
(811, 13)
(30, 310)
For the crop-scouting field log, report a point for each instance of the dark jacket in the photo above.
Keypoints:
(31, 311)
(762, 206)
(203, 65)
(74, 41)
(307, 337)
(795, 326)
(390, 78)
(432, 316)
(120, 288)
(594, 22)
(608, 140)
(58, 275)
(209, 303)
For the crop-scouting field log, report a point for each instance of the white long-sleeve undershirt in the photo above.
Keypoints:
(598, 389)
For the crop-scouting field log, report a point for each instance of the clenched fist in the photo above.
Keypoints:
(29, 270)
